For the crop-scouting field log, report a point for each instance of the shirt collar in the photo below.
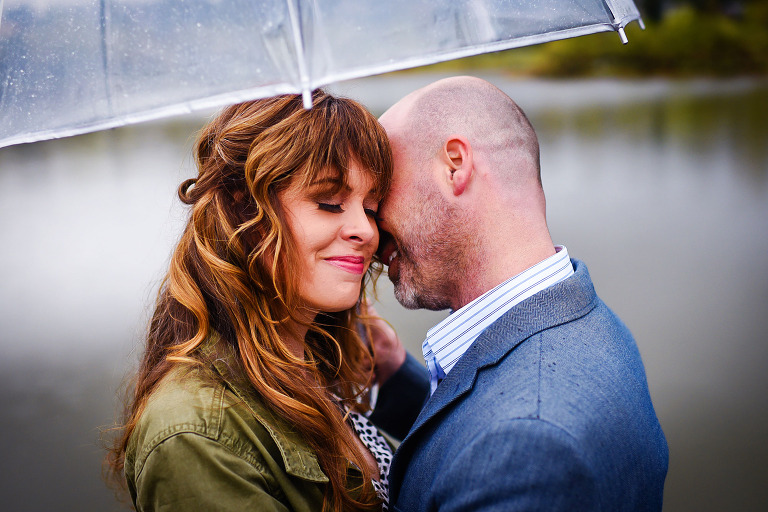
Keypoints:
(447, 341)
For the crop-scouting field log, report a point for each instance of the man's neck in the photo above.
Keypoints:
(488, 272)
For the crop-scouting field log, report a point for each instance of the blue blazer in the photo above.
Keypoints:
(548, 410)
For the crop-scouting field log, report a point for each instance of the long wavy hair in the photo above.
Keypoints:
(236, 272)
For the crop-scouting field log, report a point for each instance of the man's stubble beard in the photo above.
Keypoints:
(432, 261)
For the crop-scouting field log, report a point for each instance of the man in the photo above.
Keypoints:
(539, 396)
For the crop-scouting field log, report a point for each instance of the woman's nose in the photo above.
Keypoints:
(359, 226)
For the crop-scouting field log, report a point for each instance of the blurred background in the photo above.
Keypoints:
(655, 165)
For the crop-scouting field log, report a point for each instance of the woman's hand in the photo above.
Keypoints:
(389, 353)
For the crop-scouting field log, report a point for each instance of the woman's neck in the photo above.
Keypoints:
(294, 332)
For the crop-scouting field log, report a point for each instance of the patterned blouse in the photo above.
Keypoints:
(380, 450)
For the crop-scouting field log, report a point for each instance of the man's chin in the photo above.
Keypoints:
(409, 298)
(393, 272)
(405, 293)
(406, 297)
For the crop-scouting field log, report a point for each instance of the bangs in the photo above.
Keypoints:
(333, 180)
(341, 132)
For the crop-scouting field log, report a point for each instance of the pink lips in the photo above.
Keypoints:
(351, 264)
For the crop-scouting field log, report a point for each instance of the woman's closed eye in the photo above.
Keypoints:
(339, 208)
(331, 207)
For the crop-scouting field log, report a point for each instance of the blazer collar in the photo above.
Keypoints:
(561, 303)
(299, 459)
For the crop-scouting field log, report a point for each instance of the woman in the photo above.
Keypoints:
(254, 383)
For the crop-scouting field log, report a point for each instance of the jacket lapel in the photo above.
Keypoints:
(299, 459)
(558, 304)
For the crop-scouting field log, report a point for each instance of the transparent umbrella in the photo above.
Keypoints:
(74, 66)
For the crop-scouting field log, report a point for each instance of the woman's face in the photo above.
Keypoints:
(336, 236)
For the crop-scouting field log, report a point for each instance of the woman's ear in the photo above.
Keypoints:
(459, 166)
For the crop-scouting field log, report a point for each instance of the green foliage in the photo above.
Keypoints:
(686, 42)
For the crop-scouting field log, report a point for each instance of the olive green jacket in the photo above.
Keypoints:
(205, 443)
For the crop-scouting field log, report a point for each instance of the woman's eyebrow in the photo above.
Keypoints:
(330, 180)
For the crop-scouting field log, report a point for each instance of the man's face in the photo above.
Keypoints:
(414, 230)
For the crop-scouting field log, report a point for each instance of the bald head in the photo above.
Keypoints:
(501, 136)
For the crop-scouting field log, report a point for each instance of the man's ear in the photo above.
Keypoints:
(457, 156)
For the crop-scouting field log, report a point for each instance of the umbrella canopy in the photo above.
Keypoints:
(74, 66)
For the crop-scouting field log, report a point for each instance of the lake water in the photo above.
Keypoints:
(660, 187)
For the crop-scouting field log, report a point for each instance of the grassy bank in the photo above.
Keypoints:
(684, 43)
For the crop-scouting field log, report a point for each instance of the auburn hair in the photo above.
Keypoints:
(235, 272)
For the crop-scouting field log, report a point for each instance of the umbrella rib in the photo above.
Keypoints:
(103, 18)
(298, 42)
(619, 24)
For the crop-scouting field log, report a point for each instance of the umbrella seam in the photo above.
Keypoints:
(298, 41)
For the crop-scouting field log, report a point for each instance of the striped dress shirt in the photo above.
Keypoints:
(447, 341)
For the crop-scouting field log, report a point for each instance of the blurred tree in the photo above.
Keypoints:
(654, 10)
(651, 9)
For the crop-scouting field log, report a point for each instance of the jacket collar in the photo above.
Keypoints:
(561, 303)
(299, 459)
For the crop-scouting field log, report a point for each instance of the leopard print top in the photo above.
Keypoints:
(380, 450)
